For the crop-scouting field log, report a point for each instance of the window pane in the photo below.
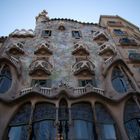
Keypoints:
(109, 131)
(18, 133)
(44, 130)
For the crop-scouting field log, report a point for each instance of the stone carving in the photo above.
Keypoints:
(39, 66)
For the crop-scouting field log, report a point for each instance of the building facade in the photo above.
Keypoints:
(69, 80)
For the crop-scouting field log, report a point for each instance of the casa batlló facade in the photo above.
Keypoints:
(69, 80)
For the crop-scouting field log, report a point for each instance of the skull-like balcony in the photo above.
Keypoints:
(43, 49)
(16, 48)
(40, 68)
(83, 67)
(106, 48)
(80, 49)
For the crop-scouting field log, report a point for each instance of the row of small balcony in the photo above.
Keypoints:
(52, 92)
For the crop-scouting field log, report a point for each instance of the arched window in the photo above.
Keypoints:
(105, 123)
(43, 122)
(5, 78)
(132, 120)
(120, 80)
(19, 125)
(40, 123)
(83, 126)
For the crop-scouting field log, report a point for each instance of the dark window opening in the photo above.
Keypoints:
(42, 83)
(76, 34)
(83, 83)
(46, 33)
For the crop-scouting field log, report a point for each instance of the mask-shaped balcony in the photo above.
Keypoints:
(80, 50)
(127, 42)
(83, 67)
(40, 68)
(100, 37)
(43, 49)
(107, 48)
(16, 48)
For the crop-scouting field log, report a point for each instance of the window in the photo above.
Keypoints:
(119, 32)
(83, 83)
(76, 34)
(83, 126)
(42, 83)
(5, 78)
(42, 123)
(120, 81)
(106, 123)
(46, 33)
(132, 120)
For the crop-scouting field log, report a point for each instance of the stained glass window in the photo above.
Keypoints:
(82, 116)
(43, 122)
(132, 120)
(18, 127)
(5, 78)
(105, 123)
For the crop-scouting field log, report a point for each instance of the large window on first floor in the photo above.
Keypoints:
(42, 125)
(105, 123)
(83, 124)
(132, 120)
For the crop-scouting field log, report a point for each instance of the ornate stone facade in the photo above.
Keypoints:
(70, 80)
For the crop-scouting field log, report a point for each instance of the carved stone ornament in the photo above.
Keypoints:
(40, 67)
(83, 65)
(43, 49)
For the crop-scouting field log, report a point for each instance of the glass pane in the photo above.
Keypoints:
(83, 130)
(44, 130)
(18, 133)
(22, 116)
(44, 111)
(109, 131)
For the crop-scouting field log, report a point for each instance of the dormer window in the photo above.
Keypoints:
(76, 34)
(46, 33)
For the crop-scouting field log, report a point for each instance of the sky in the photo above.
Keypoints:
(20, 14)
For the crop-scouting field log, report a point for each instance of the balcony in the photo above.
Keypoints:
(83, 67)
(16, 48)
(43, 49)
(14, 61)
(115, 24)
(80, 49)
(127, 42)
(40, 67)
(135, 57)
(53, 92)
(106, 48)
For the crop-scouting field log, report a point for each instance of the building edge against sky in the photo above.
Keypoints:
(71, 80)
